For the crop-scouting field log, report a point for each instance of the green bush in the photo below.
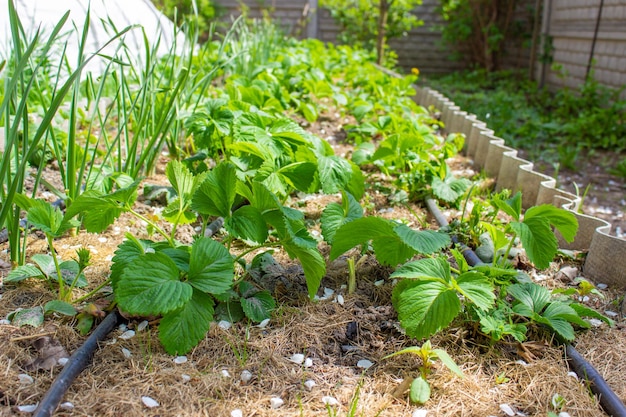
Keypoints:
(553, 127)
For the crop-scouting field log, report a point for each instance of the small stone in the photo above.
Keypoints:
(564, 414)
(567, 274)
(364, 364)
(225, 373)
(328, 400)
(595, 322)
(573, 375)
(276, 402)
(122, 327)
(246, 376)
(67, 406)
(27, 408)
(379, 283)
(126, 353)
(25, 379)
(5, 322)
(340, 299)
(507, 409)
(102, 239)
(185, 377)
(142, 326)
(521, 362)
(308, 362)
(309, 384)
(297, 358)
(263, 324)
(128, 334)
(420, 412)
(63, 361)
(236, 413)
(611, 313)
(149, 402)
(602, 286)
(225, 324)
(180, 359)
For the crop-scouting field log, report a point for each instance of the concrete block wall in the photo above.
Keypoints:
(572, 25)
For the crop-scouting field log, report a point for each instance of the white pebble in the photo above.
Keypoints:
(142, 326)
(379, 283)
(573, 375)
(263, 324)
(276, 402)
(602, 286)
(246, 376)
(5, 322)
(27, 408)
(225, 324)
(128, 334)
(420, 412)
(309, 384)
(506, 409)
(564, 414)
(236, 413)
(67, 406)
(364, 363)
(611, 313)
(25, 379)
(308, 362)
(595, 322)
(63, 361)
(328, 292)
(102, 239)
(340, 299)
(225, 373)
(521, 362)
(149, 402)
(122, 327)
(297, 358)
(328, 400)
(126, 353)
(180, 359)
(186, 378)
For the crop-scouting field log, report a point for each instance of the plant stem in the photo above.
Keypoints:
(265, 245)
(151, 223)
(57, 267)
(92, 292)
(351, 276)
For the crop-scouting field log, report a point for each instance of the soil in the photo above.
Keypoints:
(335, 332)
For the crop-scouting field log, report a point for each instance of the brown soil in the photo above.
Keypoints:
(335, 333)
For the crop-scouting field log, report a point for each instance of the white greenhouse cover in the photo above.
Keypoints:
(122, 13)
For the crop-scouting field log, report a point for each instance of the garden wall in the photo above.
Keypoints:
(572, 26)
(420, 48)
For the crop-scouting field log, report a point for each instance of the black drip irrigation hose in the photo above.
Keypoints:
(75, 365)
(609, 401)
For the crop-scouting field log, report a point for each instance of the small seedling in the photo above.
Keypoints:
(420, 388)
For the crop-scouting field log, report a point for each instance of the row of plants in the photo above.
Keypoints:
(237, 155)
(556, 127)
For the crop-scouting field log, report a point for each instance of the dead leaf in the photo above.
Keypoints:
(530, 351)
(49, 351)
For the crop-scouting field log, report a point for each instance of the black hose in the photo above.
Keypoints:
(75, 365)
(469, 255)
(609, 401)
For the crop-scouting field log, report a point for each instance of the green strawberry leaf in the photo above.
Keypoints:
(24, 272)
(182, 329)
(247, 223)
(477, 288)
(211, 267)
(216, 194)
(151, 285)
(334, 173)
(257, 305)
(336, 215)
(425, 306)
(59, 306)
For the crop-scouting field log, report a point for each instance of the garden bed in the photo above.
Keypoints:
(324, 347)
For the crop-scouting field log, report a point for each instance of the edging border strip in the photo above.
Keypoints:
(606, 254)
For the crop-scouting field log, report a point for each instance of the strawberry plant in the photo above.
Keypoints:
(183, 283)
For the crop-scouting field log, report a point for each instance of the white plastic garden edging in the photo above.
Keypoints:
(606, 254)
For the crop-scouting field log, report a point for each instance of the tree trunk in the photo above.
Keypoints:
(382, 29)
